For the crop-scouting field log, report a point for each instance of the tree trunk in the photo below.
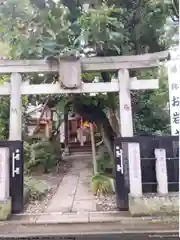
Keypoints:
(112, 106)
(109, 146)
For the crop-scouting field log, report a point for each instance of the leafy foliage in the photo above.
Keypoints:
(105, 163)
(4, 116)
(151, 115)
(174, 9)
(99, 29)
(38, 32)
(43, 153)
(37, 29)
(37, 190)
(101, 185)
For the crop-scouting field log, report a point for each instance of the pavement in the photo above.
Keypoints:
(74, 194)
(103, 236)
(86, 217)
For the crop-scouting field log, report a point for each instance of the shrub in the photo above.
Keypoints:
(104, 162)
(101, 185)
(27, 156)
(42, 153)
(36, 189)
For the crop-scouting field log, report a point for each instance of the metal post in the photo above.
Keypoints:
(93, 149)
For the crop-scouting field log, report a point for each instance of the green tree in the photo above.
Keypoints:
(4, 116)
(151, 115)
(38, 29)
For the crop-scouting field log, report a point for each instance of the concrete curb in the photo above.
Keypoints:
(94, 235)
(86, 217)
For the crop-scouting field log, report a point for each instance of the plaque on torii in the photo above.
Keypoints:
(70, 72)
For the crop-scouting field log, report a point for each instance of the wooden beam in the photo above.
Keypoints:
(87, 64)
(85, 88)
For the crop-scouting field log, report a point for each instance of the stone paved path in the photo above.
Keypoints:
(74, 193)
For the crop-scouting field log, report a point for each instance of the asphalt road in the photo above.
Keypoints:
(103, 236)
(136, 230)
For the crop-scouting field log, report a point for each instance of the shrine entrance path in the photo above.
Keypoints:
(74, 193)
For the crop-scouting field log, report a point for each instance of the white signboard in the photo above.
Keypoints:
(174, 97)
(135, 175)
(4, 173)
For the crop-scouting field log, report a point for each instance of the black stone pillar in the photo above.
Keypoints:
(122, 188)
(16, 175)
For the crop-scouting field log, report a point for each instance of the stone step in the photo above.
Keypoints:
(80, 147)
(79, 150)
(78, 156)
(76, 151)
(81, 153)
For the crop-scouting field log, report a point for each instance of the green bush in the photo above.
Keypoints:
(42, 153)
(27, 151)
(104, 162)
(35, 189)
(101, 185)
(27, 156)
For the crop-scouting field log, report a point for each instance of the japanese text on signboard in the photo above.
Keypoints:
(174, 98)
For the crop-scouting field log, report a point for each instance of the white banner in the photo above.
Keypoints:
(174, 96)
(4, 173)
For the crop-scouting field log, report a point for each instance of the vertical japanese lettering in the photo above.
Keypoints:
(174, 98)
(175, 101)
(176, 117)
(119, 167)
(15, 157)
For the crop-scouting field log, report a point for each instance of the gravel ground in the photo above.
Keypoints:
(38, 206)
(53, 180)
(106, 203)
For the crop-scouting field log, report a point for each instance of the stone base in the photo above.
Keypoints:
(66, 151)
(154, 204)
(5, 209)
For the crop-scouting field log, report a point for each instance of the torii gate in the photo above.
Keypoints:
(70, 77)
